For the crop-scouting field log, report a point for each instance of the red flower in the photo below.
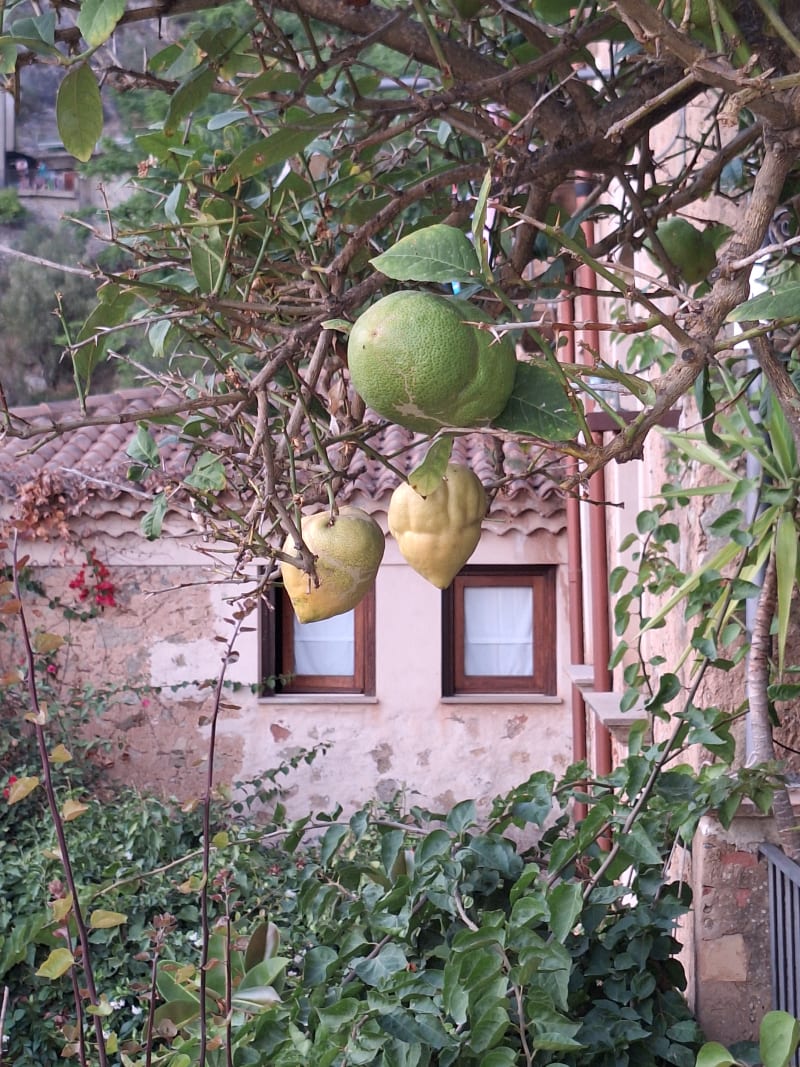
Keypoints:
(7, 791)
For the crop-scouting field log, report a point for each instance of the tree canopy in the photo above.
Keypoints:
(288, 149)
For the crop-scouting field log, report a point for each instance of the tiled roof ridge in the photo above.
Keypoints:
(91, 461)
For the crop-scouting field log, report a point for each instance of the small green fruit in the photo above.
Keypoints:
(688, 249)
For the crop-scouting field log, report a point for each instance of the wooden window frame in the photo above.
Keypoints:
(542, 580)
(277, 652)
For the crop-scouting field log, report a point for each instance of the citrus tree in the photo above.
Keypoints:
(303, 159)
(356, 210)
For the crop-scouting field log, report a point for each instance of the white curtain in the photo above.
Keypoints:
(498, 631)
(326, 647)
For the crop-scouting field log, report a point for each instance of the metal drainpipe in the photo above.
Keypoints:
(574, 580)
(598, 538)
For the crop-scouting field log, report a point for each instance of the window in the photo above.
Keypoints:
(332, 656)
(499, 631)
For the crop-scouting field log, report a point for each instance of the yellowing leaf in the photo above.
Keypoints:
(60, 754)
(220, 840)
(45, 643)
(57, 963)
(105, 920)
(62, 907)
(72, 809)
(21, 788)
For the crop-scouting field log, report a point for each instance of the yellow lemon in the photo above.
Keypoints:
(437, 534)
(349, 549)
(415, 359)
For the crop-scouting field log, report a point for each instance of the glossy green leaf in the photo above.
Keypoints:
(539, 405)
(190, 94)
(779, 1037)
(428, 475)
(712, 1054)
(438, 253)
(786, 574)
(300, 131)
(566, 902)
(331, 842)
(97, 19)
(783, 303)
(79, 112)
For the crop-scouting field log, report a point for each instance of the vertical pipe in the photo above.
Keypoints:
(574, 581)
(598, 538)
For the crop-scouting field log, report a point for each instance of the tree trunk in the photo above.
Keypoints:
(760, 725)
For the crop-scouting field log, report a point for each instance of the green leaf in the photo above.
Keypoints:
(437, 253)
(189, 95)
(207, 249)
(208, 474)
(410, 1029)
(712, 1054)
(79, 112)
(566, 904)
(57, 963)
(479, 224)
(428, 475)
(539, 405)
(300, 131)
(500, 1057)
(143, 448)
(461, 816)
(8, 55)
(97, 19)
(783, 303)
(152, 522)
(111, 310)
(638, 846)
(778, 1038)
(786, 573)
(334, 836)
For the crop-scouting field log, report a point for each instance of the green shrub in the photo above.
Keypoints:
(12, 213)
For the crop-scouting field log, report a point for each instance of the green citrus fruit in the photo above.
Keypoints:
(415, 360)
(437, 533)
(689, 249)
(348, 550)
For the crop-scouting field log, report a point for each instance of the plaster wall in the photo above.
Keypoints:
(165, 634)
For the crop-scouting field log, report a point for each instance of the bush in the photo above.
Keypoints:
(12, 213)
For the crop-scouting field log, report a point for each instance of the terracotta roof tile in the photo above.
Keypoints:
(93, 459)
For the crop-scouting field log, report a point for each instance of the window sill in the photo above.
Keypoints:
(503, 698)
(316, 698)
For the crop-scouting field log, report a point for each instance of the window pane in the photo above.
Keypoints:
(326, 647)
(498, 631)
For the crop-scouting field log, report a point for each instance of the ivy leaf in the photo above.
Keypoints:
(79, 112)
(539, 405)
(57, 963)
(97, 19)
(437, 253)
(428, 475)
